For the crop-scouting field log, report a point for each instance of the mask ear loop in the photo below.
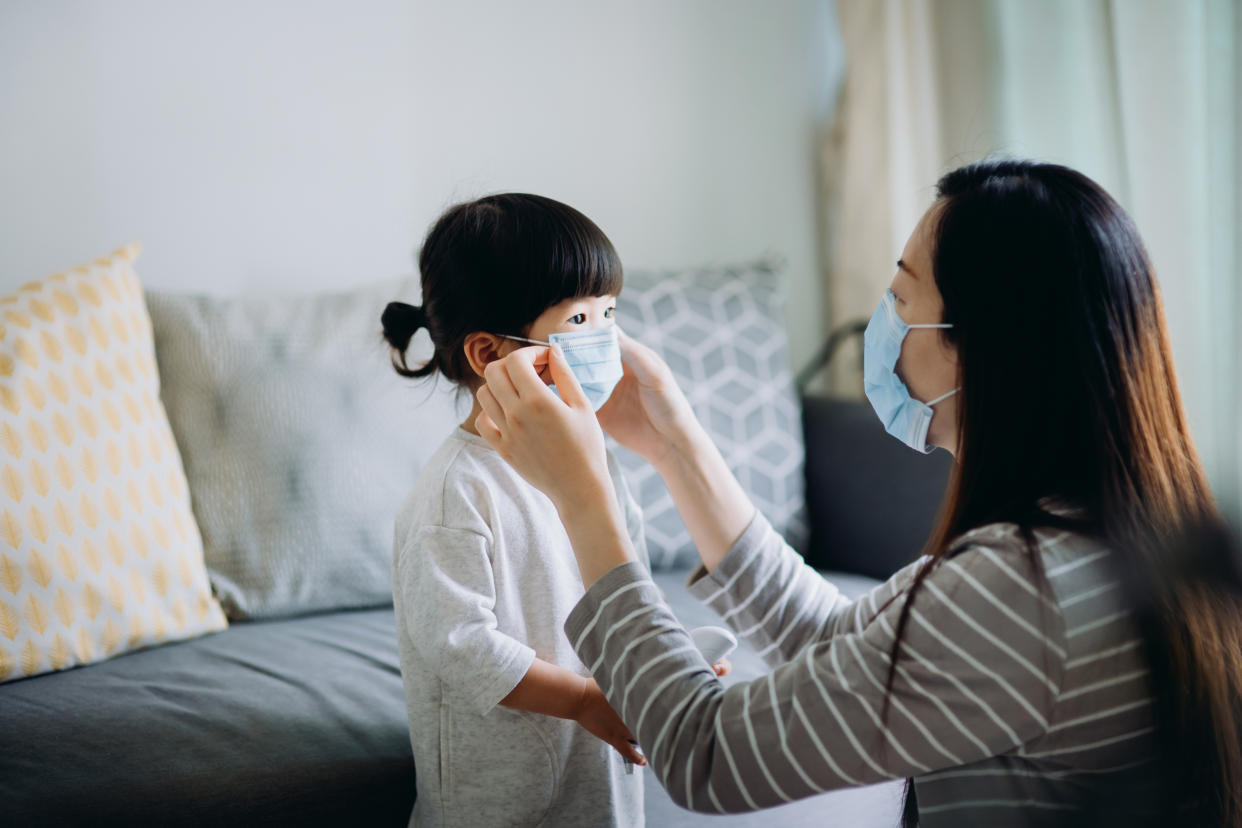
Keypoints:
(530, 341)
(946, 395)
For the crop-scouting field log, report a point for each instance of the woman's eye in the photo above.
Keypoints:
(608, 314)
(578, 318)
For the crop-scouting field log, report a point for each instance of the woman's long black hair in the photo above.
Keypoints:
(1068, 395)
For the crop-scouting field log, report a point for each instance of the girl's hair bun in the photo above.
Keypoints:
(400, 322)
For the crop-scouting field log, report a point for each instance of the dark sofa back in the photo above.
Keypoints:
(871, 501)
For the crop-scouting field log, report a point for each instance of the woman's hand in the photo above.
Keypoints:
(647, 413)
(597, 716)
(556, 444)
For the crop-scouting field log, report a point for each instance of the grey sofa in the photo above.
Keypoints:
(297, 721)
(300, 720)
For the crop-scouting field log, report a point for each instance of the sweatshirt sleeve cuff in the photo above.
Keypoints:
(704, 585)
(604, 588)
(509, 671)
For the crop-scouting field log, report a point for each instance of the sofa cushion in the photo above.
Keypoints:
(291, 722)
(288, 722)
(99, 553)
(299, 441)
(722, 332)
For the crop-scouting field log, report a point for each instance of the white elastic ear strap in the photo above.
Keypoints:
(524, 339)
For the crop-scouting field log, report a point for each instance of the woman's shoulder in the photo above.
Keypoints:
(1041, 569)
(1055, 547)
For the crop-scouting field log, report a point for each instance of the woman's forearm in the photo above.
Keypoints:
(596, 527)
(708, 497)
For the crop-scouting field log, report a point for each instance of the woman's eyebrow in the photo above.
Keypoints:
(901, 265)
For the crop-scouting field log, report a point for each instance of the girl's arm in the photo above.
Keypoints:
(444, 577)
(554, 691)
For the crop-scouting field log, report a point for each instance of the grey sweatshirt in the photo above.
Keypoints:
(1010, 704)
(483, 578)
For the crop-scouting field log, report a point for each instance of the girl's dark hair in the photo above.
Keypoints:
(494, 265)
(1068, 395)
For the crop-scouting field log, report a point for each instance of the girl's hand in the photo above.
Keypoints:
(647, 413)
(597, 716)
(555, 443)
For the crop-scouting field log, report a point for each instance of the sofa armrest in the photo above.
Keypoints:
(871, 501)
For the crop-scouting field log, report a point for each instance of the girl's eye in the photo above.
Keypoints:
(608, 314)
(578, 318)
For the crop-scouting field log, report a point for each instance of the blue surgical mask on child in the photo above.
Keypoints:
(904, 417)
(593, 355)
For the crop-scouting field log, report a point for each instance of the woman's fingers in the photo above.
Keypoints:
(629, 749)
(564, 380)
(638, 357)
(497, 378)
(488, 431)
(523, 367)
(487, 401)
(540, 364)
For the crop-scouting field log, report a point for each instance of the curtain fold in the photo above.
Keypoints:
(1145, 96)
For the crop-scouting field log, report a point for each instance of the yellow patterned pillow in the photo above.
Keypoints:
(99, 552)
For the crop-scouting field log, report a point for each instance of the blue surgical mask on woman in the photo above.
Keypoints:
(593, 355)
(904, 417)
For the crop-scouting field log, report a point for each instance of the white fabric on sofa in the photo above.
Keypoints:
(299, 441)
(722, 332)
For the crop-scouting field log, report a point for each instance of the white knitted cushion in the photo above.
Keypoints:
(722, 332)
(299, 441)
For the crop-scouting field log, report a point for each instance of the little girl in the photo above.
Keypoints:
(507, 726)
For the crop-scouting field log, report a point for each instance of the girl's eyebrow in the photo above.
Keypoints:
(901, 265)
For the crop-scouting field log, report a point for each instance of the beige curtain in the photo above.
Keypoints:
(1142, 95)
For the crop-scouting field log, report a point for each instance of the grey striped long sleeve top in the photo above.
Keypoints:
(1010, 703)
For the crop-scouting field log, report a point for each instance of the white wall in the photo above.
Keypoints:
(284, 145)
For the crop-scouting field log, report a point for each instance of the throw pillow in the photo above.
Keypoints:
(722, 332)
(298, 440)
(99, 552)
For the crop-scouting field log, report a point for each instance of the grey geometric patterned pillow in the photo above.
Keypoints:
(722, 332)
(298, 439)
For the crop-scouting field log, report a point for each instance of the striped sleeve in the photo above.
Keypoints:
(774, 601)
(978, 677)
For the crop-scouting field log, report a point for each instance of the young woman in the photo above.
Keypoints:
(1061, 653)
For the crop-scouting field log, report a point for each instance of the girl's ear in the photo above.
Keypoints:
(481, 349)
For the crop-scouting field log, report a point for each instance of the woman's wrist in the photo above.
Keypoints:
(685, 445)
(596, 527)
(711, 502)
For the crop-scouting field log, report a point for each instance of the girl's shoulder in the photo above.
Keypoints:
(453, 488)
